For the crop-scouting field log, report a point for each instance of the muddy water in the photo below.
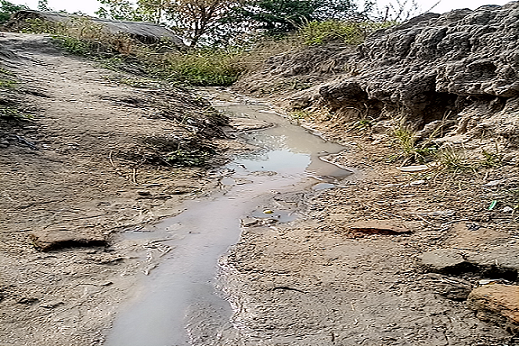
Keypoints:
(179, 302)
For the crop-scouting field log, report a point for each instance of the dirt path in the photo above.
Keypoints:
(83, 167)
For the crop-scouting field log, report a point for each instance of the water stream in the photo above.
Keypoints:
(179, 303)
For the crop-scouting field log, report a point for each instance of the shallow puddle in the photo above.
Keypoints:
(179, 302)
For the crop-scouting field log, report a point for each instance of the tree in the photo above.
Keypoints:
(43, 5)
(276, 17)
(118, 10)
(7, 9)
(192, 19)
(198, 18)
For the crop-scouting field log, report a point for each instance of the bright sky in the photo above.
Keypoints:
(90, 6)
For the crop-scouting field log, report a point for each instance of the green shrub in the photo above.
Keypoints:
(349, 32)
(201, 67)
(73, 45)
(7, 9)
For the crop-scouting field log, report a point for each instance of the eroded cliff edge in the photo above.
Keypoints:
(456, 74)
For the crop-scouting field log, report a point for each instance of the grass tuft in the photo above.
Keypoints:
(349, 32)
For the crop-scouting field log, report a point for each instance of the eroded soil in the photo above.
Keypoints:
(88, 169)
(89, 162)
(318, 283)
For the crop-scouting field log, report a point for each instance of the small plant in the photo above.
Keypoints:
(300, 114)
(405, 139)
(455, 161)
(363, 124)
(202, 67)
(13, 113)
(491, 160)
(515, 199)
(7, 84)
(195, 157)
(73, 45)
(6, 72)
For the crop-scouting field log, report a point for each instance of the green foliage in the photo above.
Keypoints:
(7, 9)
(300, 114)
(118, 10)
(199, 67)
(278, 17)
(7, 84)
(491, 160)
(317, 33)
(363, 124)
(40, 26)
(12, 113)
(349, 32)
(455, 161)
(194, 157)
(405, 140)
(73, 45)
(43, 5)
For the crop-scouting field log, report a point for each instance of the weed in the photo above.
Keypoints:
(515, 198)
(455, 161)
(363, 124)
(73, 45)
(405, 140)
(203, 67)
(195, 157)
(13, 113)
(491, 160)
(6, 72)
(7, 84)
(300, 114)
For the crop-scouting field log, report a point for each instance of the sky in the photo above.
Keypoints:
(90, 6)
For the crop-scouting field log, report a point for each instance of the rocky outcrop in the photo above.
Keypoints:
(498, 304)
(148, 33)
(461, 68)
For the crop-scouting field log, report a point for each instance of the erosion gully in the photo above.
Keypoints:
(181, 301)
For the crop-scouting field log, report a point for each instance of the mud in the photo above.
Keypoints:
(182, 303)
(75, 173)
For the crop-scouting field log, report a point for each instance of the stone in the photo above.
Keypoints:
(378, 227)
(498, 304)
(247, 124)
(47, 240)
(497, 262)
(445, 261)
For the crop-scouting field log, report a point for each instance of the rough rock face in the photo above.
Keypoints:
(144, 32)
(462, 65)
(498, 304)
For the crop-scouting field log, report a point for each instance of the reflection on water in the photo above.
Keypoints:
(180, 295)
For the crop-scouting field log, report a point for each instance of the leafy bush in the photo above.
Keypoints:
(205, 67)
(7, 9)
